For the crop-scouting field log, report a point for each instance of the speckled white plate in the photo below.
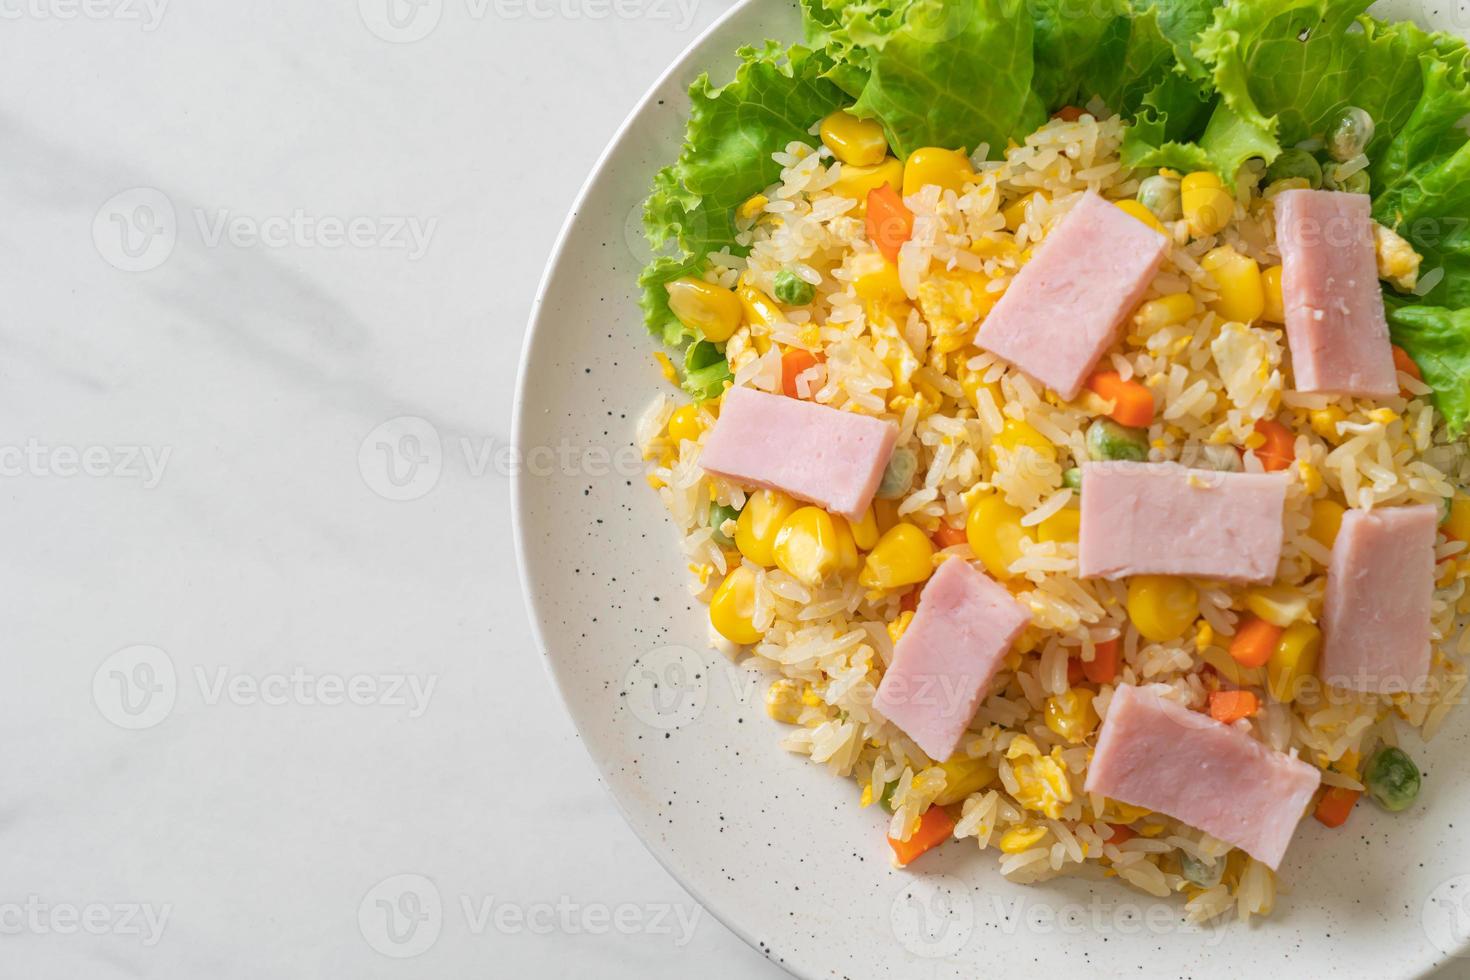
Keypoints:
(769, 842)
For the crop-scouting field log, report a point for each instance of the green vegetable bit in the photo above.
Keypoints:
(886, 800)
(1348, 133)
(899, 475)
(1161, 196)
(1072, 477)
(1357, 182)
(1392, 779)
(1295, 164)
(1107, 440)
(705, 370)
(718, 515)
(793, 290)
(1201, 873)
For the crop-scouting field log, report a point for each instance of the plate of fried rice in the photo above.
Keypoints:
(1011, 500)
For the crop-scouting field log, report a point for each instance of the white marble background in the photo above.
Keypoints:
(242, 688)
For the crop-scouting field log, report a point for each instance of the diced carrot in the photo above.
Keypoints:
(1231, 706)
(1104, 664)
(934, 829)
(1403, 362)
(1335, 805)
(910, 600)
(1133, 404)
(948, 535)
(1075, 672)
(1280, 447)
(793, 363)
(890, 222)
(1255, 640)
(1070, 113)
(1121, 834)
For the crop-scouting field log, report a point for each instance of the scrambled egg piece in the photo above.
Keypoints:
(1042, 780)
(952, 302)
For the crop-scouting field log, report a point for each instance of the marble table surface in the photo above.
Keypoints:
(271, 707)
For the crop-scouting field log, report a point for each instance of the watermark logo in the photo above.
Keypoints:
(142, 921)
(1446, 917)
(402, 459)
(401, 917)
(934, 916)
(37, 459)
(136, 230)
(401, 21)
(667, 688)
(136, 687)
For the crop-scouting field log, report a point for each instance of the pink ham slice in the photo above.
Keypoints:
(944, 661)
(1166, 519)
(1158, 754)
(1375, 619)
(1334, 306)
(826, 456)
(1063, 309)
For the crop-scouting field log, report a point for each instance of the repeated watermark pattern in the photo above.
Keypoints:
(140, 921)
(34, 458)
(670, 687)
(1446, 917)
(147, 14)
(407, 21)
(138, 229)
(139, 686)
(405, 457)
(404, 915)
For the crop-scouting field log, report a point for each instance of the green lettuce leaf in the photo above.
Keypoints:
(733, 130)
(1438, 339)
(705, 370)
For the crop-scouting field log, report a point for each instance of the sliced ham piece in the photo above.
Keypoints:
(1335, 324)
(1375, 619)
(1063, 309)
(822, 455)
(1156, 753)
(943, 663)
(1167, 519)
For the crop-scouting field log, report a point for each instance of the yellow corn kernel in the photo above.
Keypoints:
(1295, 658)
(1136, 209)
(973, 382)
(903, 556)
(1015, 434)
(856, 182)
(876, 280)
(783, 701)
(994, 531)
(806, 546)
(1275, 309)
(1070, 715)
(899, 626)
(859, 142)
(759, 523)
(1326, 521)
(1166, 311)
(1015, 215)
(1458, 524)
(1204, 635)
(1278, 605)
(934, 165)
(848, 559)
(1311, 476)
(1163, 607)
(1207, 206)
(752, 207)
(962, 777)
(712, 311)
(732, 607)
(1242, 297)
(1324, 422)
(759, 309)
(685, 423)
(865, 531)
(1063, 526)
(1021, 837)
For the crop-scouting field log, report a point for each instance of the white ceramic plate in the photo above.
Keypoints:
(767, 841)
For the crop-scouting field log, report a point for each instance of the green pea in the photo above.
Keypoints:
(1072, 477)
(793, 290)
(899, 475)
(1358, 183)
(718, 515)
(1391, 778)
(1161, 196)
(1295, 163)
(1349, 132)
(1198, 871)
(1107, 440)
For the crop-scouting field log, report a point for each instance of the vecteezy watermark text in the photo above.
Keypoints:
(406, 21)
(37, 459)
(141, 920)
(146, 13)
